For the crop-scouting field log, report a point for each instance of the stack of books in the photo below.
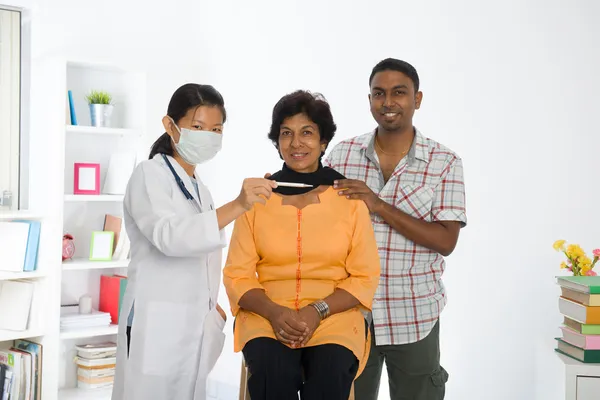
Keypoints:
(96, 365)
(579, 304)
(71, 319)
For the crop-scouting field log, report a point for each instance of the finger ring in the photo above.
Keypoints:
(281, 331)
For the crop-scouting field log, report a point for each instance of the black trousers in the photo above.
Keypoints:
(128, 332)
(324, 372)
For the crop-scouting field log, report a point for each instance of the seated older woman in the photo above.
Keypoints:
(302, 269)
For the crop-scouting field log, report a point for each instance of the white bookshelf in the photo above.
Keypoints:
(93, 198)
(85, 264)
(11, 276)
(89, 333)
(7, 336)
(92, 130)
(10, 215)
(83, 214)
(51, 201)
(83, 394)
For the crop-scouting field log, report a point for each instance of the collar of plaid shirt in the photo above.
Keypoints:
(419, 149)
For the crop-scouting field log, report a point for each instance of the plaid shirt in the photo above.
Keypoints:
(428, 185)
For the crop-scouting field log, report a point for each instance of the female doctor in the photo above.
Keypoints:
(171, 327)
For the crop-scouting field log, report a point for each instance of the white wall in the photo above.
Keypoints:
(511, 86)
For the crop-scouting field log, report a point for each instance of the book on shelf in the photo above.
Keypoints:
(21, 370)
(71, 109)
(580, 297)
(16, 299)
(583, 341)
(96, 364)
(583, 355)
(19, 242)
(579, 312)
(584, 329)
(583, 284)
(71, 319)
(120, 168)
(35, 349)
(112, 290)
(121, 243)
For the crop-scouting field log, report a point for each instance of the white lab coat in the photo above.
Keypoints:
(173, 277)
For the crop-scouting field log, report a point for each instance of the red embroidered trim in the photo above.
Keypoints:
(299, 253)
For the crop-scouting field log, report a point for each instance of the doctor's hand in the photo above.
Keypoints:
(253, 189)
(222, 313)
(288, 326)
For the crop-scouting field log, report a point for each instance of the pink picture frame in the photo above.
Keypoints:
(86, 179)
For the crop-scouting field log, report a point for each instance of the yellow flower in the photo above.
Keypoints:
(584, 270)
(563, 265)
(559, 245)
(584, 261)
(574, 251)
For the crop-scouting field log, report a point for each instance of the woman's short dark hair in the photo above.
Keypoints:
(188, 96)
(314, 106)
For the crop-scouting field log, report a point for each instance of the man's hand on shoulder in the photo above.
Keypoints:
(358, 190)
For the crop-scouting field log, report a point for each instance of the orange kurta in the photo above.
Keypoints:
(299, 256)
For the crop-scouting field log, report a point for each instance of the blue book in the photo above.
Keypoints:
(33, 243)
(72, 109)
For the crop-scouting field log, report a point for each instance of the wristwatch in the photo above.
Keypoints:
(322, 308)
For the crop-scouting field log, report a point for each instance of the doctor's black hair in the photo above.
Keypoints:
(313, 105)
(186, 97)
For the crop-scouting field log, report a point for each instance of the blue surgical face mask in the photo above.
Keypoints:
(197, 147)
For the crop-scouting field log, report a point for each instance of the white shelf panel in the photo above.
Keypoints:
(11, 276)
(85, 394)
(92, 130)
(83, 264)
(24, 214)
(6, 336)
(93, 197)
(90, 332)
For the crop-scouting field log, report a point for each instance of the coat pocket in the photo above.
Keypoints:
(212, 342)
(166, 338)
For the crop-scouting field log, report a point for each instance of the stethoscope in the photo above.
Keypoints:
(181, 185)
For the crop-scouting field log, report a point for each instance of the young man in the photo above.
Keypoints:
(414, 189)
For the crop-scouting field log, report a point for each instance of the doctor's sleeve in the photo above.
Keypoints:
(150, 204)
(362, 263)
(239, 274)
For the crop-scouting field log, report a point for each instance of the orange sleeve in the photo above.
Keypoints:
(362, 263)
(239, 274)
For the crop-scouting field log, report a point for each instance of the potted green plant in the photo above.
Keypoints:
(101, 107)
